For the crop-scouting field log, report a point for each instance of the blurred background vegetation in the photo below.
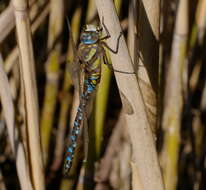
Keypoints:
(167, 44)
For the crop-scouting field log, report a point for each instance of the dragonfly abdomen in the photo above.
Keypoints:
(90, 53)
(73, 139)
(89, 85)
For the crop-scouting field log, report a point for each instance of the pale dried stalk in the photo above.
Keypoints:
(119, 149)
(104, 168)
(11, 58)
(92, 11)
(7, 104)
(148, 42)
(201, 19)
(132, 31)
(125, 166)
(52, 73)
(7, 21)
(133, 49)
(173, 102)
(144, 152)
(29, 81)
(102, 98)
(17, 146)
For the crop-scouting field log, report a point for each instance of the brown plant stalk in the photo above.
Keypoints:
(29, 82)
(144, 152)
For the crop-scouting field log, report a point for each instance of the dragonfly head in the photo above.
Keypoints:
(91, 34)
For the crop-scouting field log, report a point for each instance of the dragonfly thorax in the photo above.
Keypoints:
(90, 34)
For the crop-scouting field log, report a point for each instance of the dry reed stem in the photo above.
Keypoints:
(92, 11)
(29, 82)
(136, 178)
(194, 77)
(173, 102)
(15, 81)
(114, 179)
(144, 152)
(52, 74)
(7, 104)
(118, 148)
(102, 99)
(152, 9)
(16, 145)
(201, 19)
(7, 21)
(132, 31)
(22, 111)
(133, 49)
(104, 168)
(148, 44)
(11, 58)
(125, 165)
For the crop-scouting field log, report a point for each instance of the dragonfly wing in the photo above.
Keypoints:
(75, 73)
(86, 138)
(73, 60)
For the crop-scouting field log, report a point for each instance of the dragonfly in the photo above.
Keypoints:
(90, 55)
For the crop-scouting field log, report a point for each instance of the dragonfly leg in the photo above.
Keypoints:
(107, 31)
(109, 36)
(117, 45)
(106, 62)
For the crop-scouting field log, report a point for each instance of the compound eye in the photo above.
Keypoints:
(83, 35)
(89, 36)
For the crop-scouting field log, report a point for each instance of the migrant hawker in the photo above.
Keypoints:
(90, 55)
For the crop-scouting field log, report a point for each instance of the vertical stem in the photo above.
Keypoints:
(102, 98)
(173, 104)
(9, 115)
(144, 152)
(52, 73)
(148, 41)
(29, 81)
(132, 30)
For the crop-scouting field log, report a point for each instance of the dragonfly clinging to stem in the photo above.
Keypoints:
(90, 55)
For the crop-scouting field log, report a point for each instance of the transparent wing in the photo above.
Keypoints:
(77, 76)
(73, 61)
(86, 138)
